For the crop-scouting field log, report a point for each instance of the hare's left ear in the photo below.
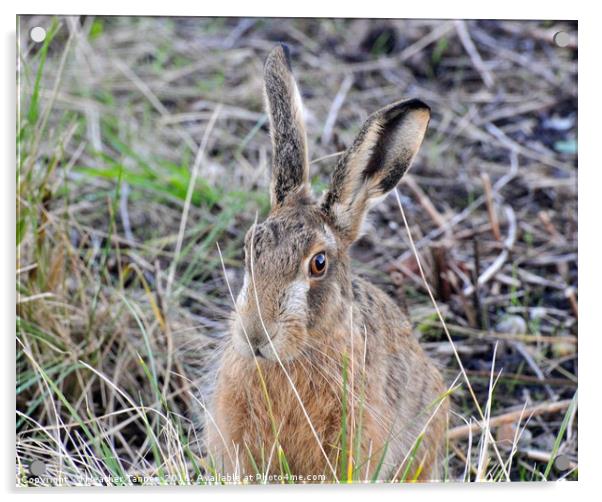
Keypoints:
(380, 155)
(290, 164)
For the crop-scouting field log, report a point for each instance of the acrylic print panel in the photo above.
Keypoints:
(228, 273)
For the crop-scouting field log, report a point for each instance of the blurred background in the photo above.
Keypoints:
(142, 144)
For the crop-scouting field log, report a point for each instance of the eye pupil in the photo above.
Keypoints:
(318, 264)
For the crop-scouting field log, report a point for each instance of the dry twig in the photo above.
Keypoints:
(464, 430)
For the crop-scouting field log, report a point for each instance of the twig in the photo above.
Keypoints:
(38, 296)
(532, 278)
(476, 298)
(540, 409)
(520, 348)
(543, 456)
(570, 294)
(502, 257)
(495, 225)
(545, 219)
(337, 103)
(425, 201)
(474, 55)
(463, 330)
(526, 379)
(326, 157)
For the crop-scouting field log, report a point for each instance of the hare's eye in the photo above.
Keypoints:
(317, 265)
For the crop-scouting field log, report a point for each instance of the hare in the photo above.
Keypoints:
(321, 373)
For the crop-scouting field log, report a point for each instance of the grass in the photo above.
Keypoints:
(122, 293)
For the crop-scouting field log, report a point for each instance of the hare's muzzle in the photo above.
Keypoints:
(254, 335)
(270, 322)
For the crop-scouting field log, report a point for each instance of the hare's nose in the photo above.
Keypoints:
(257, 332)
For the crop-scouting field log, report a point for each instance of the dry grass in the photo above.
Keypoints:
(143, 143)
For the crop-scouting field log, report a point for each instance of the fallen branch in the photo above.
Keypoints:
(463, 431)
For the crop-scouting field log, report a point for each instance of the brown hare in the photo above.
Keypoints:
(321, 371)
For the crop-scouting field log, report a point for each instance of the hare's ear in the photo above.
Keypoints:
(380, 155)
(289, 141)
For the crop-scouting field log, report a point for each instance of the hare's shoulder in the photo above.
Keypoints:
(411, 378)
(379, 313)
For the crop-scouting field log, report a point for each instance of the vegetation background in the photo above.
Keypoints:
(142, 143)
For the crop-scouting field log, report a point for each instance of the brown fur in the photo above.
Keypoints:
(293, 331)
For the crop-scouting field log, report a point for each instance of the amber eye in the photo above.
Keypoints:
(317, 265)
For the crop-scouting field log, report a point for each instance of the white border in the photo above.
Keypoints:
(590, 284)
(509, 9)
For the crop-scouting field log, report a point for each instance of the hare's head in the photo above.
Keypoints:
(297, 284)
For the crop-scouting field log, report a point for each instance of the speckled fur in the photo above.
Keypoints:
(312, 323)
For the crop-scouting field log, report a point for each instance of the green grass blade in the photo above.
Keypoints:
(560, 435)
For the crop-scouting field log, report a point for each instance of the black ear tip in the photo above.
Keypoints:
(278, 55)
(396, 111)
(287, 55)
(418, 104)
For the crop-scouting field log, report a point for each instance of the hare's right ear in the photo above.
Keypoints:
(380, 155)
(290, 164)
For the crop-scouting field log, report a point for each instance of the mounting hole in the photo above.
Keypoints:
(37, 34)
(37, 468)
(562, 39)
(562, 463)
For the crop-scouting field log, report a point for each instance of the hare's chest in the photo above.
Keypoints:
(300, 416)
